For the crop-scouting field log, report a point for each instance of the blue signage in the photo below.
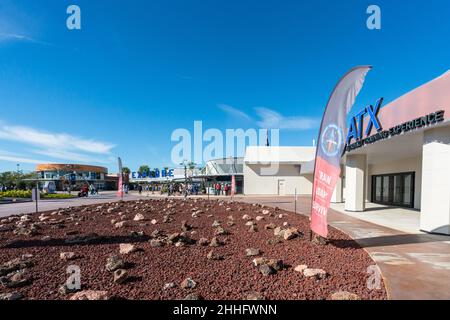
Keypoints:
(355, 130)
(153, 174)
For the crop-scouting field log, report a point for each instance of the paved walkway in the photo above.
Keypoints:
(414, 266)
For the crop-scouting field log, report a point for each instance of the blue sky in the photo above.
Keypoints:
(140, 69)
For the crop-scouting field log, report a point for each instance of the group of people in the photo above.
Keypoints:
(222, 189)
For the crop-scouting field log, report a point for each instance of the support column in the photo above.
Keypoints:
(355, 182)
(435, 195)
(337, 193)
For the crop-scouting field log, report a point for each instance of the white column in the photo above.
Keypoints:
(435, 200)
(355, 182)
(337, 193)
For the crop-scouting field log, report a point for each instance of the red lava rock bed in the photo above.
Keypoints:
(180, 249)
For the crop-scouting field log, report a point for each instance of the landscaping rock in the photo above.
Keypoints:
(126, 248)
(139, 217)
(90, 295)
(220, 231)
(169, 285)
(214, 256)
(188, 283)
(11, 296)
(259, 261)
(344, 295)
(300, 268)
(254, 296)
(317, 273)
(266, 270)
(120, 276)
(193, 296)
(121, 224)
(114, 263)
(66, 256)
(157, 243)
(215, 242)
(251, 252)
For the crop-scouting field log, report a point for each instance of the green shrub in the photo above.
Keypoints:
(16, 194)
(57, 196)
(24, 194)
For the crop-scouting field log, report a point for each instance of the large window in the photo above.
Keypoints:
(396, 189)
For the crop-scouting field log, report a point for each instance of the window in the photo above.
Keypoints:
(396, 189)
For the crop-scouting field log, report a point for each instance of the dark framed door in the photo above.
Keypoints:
(396, 189)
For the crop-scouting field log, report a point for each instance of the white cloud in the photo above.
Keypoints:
(16, 158)
(234, 112)
(270, 119)
(55, 141)
(71, 156)
(61, 146)
(273, 120)
(5, 37)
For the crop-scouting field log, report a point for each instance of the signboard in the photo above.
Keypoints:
(35, 195)
(153, 174)
(331, 145)
(357, 126)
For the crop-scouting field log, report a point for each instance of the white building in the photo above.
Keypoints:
(278, 170)
(405, 163)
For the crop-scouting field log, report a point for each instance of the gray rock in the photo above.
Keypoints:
(317, 273)
(192, 296)
(251, 252)
(254, 296)
(215, 242)
(344, 295)
(188, 283)
(114, 263)
(214, 256)
(11, 296)
(120, 276)
(266, 270)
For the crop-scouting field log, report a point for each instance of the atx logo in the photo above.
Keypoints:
(357, 122)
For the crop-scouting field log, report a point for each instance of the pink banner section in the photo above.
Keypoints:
(324, 183)
(120, 186)
(233, 185)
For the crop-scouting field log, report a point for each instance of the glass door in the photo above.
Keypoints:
(395, 189)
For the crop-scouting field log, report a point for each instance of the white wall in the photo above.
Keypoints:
(404, 165)
(435, 213)
(257, 184)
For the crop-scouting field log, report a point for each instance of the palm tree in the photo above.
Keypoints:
(144, 170)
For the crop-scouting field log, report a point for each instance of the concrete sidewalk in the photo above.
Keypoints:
(414, 266)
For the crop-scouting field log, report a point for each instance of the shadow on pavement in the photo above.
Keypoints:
(392, 240)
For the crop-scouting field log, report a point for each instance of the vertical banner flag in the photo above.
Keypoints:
(120, 183)
(233, 185)
(331, 144)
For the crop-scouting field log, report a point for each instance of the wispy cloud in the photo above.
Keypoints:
(17, 158)
(53, 145)
(234, 112)
(270, 119)
(5, 37)
(56, 141)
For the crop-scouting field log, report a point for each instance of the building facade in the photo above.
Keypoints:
(278, 170)
(75, 176)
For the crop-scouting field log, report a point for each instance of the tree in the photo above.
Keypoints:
(126, 171)
(144, 170)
